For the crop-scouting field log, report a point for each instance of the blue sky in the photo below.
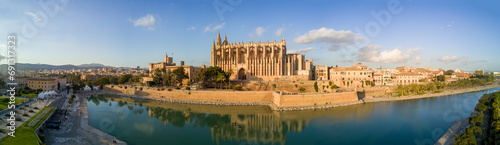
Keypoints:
(449, 34)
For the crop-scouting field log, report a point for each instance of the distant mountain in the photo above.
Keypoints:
(28, 66)
(92, 65)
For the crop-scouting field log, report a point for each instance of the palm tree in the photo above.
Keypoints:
(221, 77)
(228, 75)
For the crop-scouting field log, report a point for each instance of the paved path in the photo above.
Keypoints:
(75, 130)
(455, 129)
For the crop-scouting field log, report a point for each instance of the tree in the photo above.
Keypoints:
(113, 80)
(316, 86)
(441, 78)
(302, 90)
(221, 77)
(124, 78)
(211, 74)
(449, 72)
(167, 78)
(103, 81)
(228, 74)
(200, 75)
(180, 74)
(157, 77)
(135, 78)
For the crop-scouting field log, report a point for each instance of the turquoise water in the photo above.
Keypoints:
(139, 121)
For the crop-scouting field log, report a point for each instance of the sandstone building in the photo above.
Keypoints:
(260, 61)
(357, 76)
(169, 65)
(42, 83)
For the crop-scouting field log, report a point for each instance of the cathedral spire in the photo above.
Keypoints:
(213, 46)
(218, 39)
(225, 39)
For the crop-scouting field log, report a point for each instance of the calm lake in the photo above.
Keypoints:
(140, 121)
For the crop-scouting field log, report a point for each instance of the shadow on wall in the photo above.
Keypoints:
(361, 95)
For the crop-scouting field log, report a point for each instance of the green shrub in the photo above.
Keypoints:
(35, 107)
(31, 111)
(187, 88)
(302, 90)
(474, 130)
(477, 120)
(274, 85)
(39, 117)
(316, 86)
(25, 114)
(18, 119)
(481, 107)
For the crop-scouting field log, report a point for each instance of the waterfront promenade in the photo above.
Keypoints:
(496, 84)
(76, 130)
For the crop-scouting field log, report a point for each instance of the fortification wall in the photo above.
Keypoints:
(214, 96)
(298, 100)
(276, 98)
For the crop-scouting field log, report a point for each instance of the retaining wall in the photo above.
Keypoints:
(276, 98)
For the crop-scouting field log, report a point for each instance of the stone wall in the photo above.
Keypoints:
(377, 91)
(270, 97)
(214, 96)
(297, 100)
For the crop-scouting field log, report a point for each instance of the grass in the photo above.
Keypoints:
(26, 135)
(32, 95)
(3, 105)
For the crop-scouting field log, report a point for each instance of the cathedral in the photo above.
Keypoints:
(260, 61)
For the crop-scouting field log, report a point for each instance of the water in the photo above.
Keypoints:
(139, 121)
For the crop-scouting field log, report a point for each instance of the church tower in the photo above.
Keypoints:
(166, 58)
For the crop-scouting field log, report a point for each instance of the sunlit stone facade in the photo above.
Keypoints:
(259, 61)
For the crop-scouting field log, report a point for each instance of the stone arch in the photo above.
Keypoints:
(242, 74)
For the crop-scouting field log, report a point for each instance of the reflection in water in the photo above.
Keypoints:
(141, 121)
(226, 123)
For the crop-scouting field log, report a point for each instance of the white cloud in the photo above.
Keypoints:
(191, 28)
(212, 27)
(448, 59)
(146, 21)
(2, 56)
(279, 31)
(336, 39)
(259, 31)
(418, 60)
(467, 61)
(448, 25)
(34, 16)
(372, 53)
(463, 59)
(3, 46)
(304, 50)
